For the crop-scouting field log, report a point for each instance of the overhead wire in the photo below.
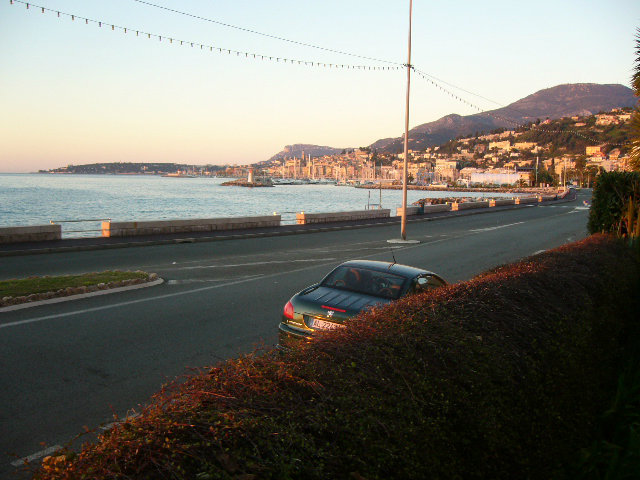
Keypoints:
(211, 48)
(438, 83)
(275, 37)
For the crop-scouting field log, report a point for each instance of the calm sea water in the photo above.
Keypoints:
(37, 199)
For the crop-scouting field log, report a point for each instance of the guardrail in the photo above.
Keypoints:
(287, 218)
(96, 221)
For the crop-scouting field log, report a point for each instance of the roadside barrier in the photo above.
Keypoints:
(303, 218)
(158, 227)
(35, 233)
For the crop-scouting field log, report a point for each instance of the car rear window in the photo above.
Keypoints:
(370, 282)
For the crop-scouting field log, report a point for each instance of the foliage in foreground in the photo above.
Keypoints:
(503, 376)
(615, 207)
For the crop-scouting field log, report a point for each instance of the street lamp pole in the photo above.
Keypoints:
(403, 227)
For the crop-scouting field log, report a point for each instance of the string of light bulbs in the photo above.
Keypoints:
(211, 48)
(395, 66)
(275, 37)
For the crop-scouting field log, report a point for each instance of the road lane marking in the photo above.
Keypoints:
(488, 229)
(36, 456)
(207, 280)
(109, 426)
(124, 304)
(68, 298)
(251, 264)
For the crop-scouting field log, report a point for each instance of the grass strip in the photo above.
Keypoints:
(34, 285)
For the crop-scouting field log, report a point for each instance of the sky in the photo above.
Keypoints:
(73, 92)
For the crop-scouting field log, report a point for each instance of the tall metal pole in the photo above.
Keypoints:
(403, 226)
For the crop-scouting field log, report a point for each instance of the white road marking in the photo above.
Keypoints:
(251, 264)
(488, 229)
(538, 252)
(208, 280)
(36, 456)
(78, 296)
(109, 426)
(123, 304)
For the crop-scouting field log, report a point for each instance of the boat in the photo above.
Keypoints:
(178, 175)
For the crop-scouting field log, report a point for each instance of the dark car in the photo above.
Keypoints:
(348, 289)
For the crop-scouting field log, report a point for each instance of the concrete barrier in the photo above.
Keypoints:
(303, 218)
(35, 233)
(468, 205)
(523, 200)
(443, 207)
(410, 211)
(158, 227)
(503, 201)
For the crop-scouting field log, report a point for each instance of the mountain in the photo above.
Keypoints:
(295, 151)
(556, 102)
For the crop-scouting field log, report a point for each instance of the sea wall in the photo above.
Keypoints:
(155, 227)
(303, 218)
(469, 205)
(35, 233)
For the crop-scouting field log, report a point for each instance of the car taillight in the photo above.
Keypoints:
(288, 310)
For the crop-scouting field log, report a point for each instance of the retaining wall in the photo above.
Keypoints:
(303, 218)
(156, 227)
(35, 233)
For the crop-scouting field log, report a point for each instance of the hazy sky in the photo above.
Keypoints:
(72, 92)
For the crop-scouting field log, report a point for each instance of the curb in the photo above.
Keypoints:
(78, 296)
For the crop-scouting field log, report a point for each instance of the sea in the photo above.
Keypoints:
(80, 202)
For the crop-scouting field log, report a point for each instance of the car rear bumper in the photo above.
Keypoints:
(288, 336)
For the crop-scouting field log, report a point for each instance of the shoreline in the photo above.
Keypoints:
(429, 188)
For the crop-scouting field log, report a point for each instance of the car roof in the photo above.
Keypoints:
(398, 269)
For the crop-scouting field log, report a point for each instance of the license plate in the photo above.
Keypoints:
(322, 325)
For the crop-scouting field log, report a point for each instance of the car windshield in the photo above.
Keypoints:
(362, 280)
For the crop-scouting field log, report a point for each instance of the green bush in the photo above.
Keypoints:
(615, 207)
(500, 377)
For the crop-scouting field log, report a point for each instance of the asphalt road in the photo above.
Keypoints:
(74, 364)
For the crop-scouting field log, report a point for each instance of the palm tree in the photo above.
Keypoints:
(635, 119)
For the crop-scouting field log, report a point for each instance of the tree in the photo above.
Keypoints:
(581, 165)
(544, 177)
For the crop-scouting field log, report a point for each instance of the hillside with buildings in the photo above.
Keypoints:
(548, 152)
(552, 103)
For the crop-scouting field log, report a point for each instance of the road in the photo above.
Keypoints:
(74, 364)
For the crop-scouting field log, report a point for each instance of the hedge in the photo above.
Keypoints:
(614, 194)
(503, 376)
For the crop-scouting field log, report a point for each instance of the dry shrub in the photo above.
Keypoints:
(499, 377)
